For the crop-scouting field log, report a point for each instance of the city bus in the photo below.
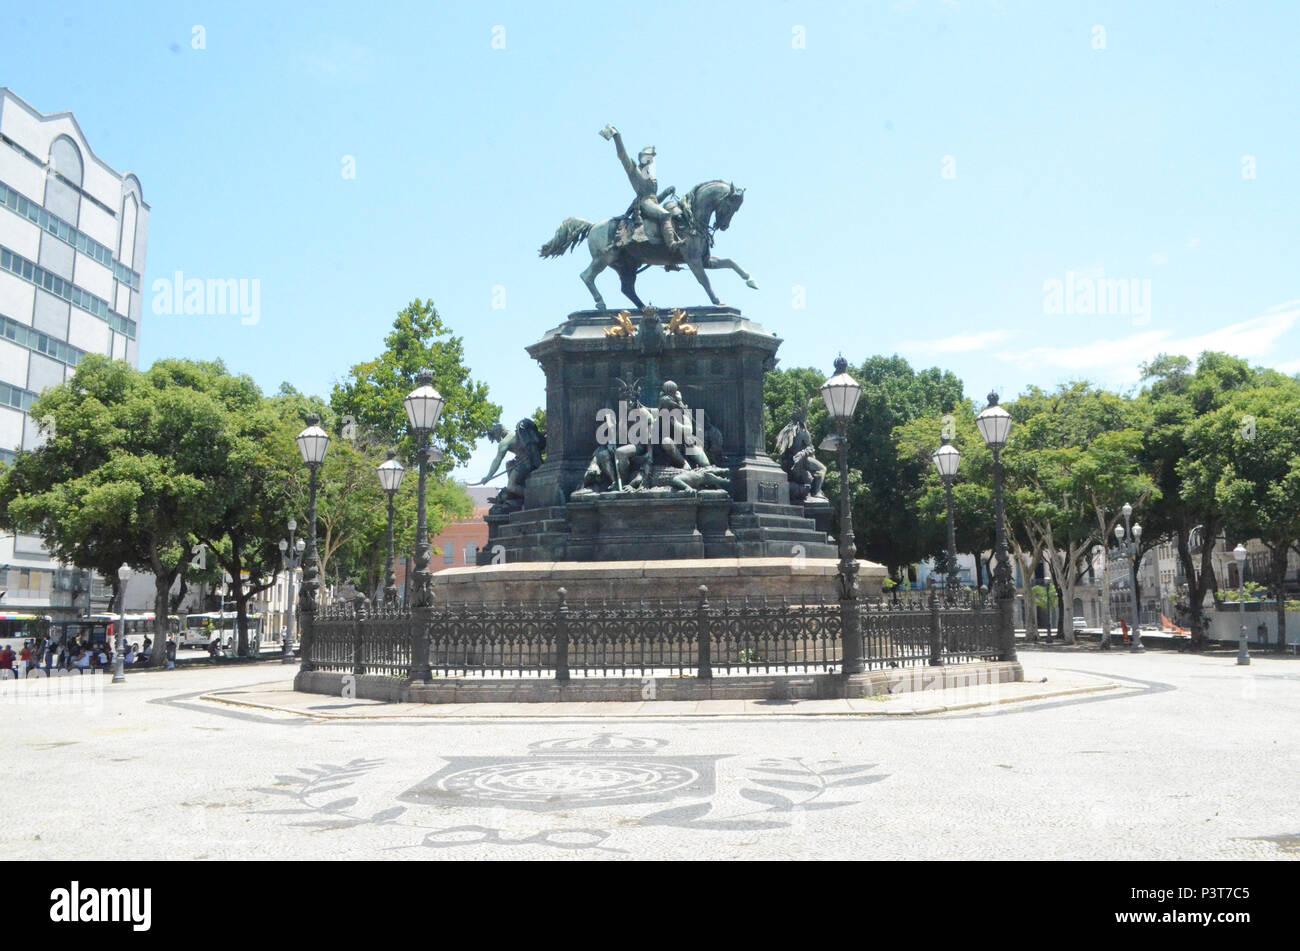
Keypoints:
(15, 628)
(138, 627)
(222, 628)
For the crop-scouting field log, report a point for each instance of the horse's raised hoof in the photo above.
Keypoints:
(752, 283)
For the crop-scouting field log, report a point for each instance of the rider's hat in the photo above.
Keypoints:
(648, 150)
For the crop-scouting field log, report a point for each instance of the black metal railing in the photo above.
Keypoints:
(696, 636)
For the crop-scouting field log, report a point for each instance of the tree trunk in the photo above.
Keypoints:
(162, 584)
(1197, 582)
(1060, 607)
(1277, 571)
(1027, 569)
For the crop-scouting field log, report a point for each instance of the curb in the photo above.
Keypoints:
(914, 711)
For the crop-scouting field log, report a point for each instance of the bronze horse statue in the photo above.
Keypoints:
(709, 206)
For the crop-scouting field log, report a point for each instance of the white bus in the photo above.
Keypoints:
(222, 628)
(138, 627)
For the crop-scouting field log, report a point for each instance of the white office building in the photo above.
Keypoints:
(72, 256)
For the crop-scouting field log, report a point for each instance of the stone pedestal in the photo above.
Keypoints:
(719, 370)
(811, 579)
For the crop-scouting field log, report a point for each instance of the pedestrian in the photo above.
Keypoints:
(129, 657)
(6, 662)
(49, 655)
(25, 659)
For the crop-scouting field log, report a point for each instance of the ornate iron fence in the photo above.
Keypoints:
(696, 636)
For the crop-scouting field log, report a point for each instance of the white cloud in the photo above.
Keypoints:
(958, 343)
(1117, 359)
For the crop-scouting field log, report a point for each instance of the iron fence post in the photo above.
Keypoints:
(562, 638)
(936, 632)
(421, 618)
(358, 618)
(704, 649)
(1006, 630)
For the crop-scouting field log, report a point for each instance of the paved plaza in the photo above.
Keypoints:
(1116, 756)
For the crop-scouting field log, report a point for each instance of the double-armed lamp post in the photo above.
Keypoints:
(391, 473)
(1131, 550)
(840, 393)
(291, 553)
(946, 460)
(313, 443)
(994, 424)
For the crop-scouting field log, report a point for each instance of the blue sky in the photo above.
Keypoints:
(921, 170)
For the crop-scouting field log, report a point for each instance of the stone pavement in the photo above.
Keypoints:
(1188, 757)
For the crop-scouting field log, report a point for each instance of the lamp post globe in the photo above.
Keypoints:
(391, 473)
(119, 666)
(313, 442)
(947, 459)
(1243, 649)
(840, 394)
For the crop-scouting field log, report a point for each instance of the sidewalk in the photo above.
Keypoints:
(1039, 684)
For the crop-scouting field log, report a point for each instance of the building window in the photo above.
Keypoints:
(471, 553)
(56, 285)
(449, 554)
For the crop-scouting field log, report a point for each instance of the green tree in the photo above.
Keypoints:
(1187, 463)
(123, 473)
(373, 392)
(1259, 489)
(249, 487)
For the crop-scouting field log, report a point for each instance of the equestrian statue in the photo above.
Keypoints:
(658, 229)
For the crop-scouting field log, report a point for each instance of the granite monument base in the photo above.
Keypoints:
(798, 579)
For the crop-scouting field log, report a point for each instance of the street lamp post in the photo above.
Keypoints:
(423, 408)
(995, 425)
(313, 443)
(840, 393)
(119, 666)
(390, 477)
(946, 460)
(1131, 550)
(1243, 650)
(291, 552)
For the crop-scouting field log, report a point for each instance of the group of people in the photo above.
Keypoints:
(48, 655)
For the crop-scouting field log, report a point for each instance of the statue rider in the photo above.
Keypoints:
(642, 176)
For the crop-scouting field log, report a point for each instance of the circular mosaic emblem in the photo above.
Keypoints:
(571, 780)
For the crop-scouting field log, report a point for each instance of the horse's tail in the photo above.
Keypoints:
(570, 233)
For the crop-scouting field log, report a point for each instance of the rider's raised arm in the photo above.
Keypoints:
(633, 173)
